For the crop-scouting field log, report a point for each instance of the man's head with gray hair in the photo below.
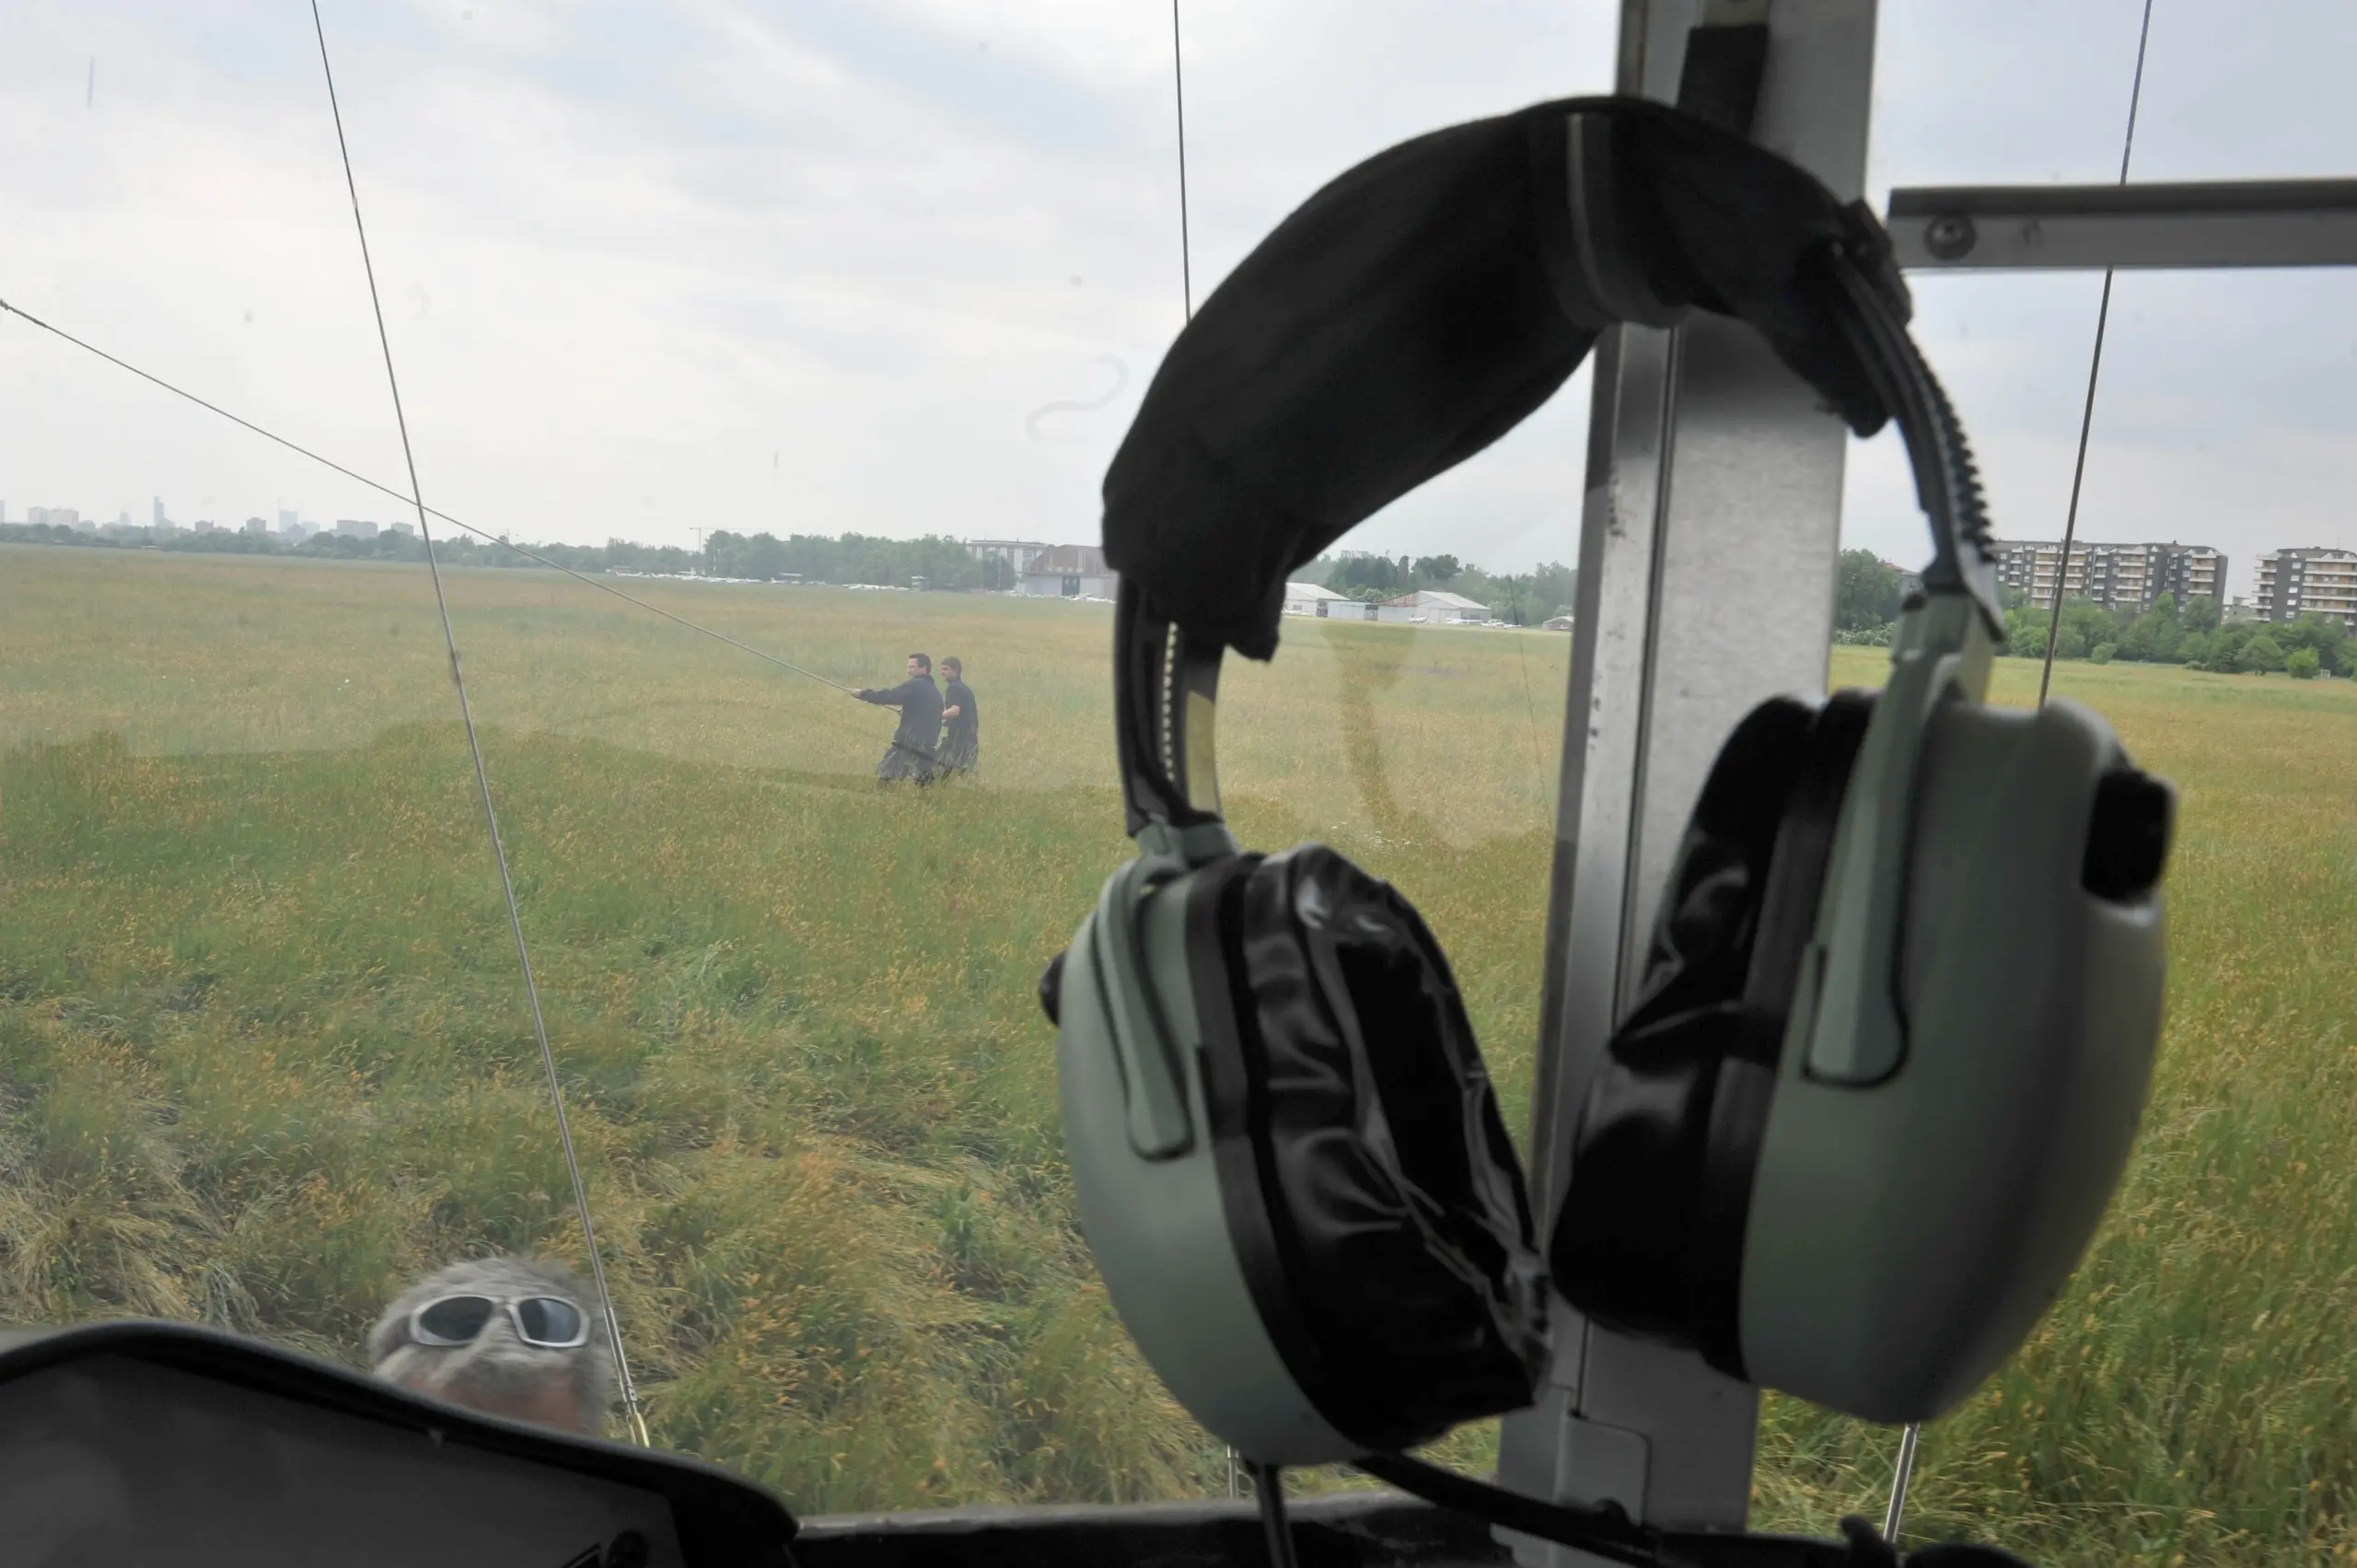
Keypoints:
(494, 1369)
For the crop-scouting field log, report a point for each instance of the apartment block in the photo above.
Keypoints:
(2121, 577)
(2316, 580)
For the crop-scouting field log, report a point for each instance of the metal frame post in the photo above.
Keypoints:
(1708, 545)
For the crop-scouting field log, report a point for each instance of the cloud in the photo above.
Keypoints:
(663, 244)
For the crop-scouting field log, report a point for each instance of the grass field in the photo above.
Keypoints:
(264, 1054)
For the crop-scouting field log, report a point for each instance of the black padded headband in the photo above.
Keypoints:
(1426, 302)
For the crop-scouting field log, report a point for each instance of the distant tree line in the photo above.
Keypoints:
(854, 558)
(1522, 599)
(1868, 595)
(450, 545)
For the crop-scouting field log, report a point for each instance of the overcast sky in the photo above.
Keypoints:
(815, 265)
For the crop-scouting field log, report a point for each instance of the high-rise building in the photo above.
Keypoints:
(257, 526)
(355, 527)
(2193, 571)
(204, 525)
(2319, 580)
(2125, 578)
(160, 520)
(287, 521)
(407, 530)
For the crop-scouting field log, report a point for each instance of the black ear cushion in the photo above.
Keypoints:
(1391, 1236)
(1649, 1238)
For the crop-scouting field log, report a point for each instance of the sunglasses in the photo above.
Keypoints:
(550, 1322)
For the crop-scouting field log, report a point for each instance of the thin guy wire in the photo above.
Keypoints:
(1530, 712)
(2095, 369)
(1178, 79)
(408, 499)
(482, 777)
(1904, 1471)
(484, 534)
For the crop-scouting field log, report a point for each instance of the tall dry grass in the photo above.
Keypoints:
(263, 1055)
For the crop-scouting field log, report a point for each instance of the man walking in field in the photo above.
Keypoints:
(911, 754)
(961, 742)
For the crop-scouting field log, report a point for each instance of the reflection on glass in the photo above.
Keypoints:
(267, 1061)
(2154, 1404)
(265, 1058)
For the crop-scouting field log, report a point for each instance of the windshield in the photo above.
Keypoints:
(794, 346)
(2169, 1408)
(805, 344)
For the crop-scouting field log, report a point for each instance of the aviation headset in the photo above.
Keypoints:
(1896, 1023)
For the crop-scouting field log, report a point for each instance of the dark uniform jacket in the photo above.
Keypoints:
(919, 701)
(961, 696)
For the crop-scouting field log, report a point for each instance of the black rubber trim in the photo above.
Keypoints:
(723, 1520)
(1351, 1529)
(1740, 1099)
(1746, 1089)
(1233, 1068)
(1804, 845)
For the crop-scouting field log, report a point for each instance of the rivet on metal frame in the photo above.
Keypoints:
(1949, 237)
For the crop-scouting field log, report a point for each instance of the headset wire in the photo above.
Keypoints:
(1269, 1492)
(483, 776)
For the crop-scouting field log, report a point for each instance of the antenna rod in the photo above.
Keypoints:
(1900, 1475)
(1178, 78)
(2095, 371)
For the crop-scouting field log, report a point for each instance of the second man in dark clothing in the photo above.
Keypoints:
(911, 754)
(961, 743)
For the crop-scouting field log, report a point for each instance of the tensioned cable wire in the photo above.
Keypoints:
(385, 489)
(2095, 369)
(483, 776)
(379, 486)
(1530, 712)
(1904, 1471)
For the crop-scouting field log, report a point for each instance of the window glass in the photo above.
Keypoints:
(809, 334)
(2169, 1404)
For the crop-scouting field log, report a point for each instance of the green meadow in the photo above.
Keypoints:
(264, 1055)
